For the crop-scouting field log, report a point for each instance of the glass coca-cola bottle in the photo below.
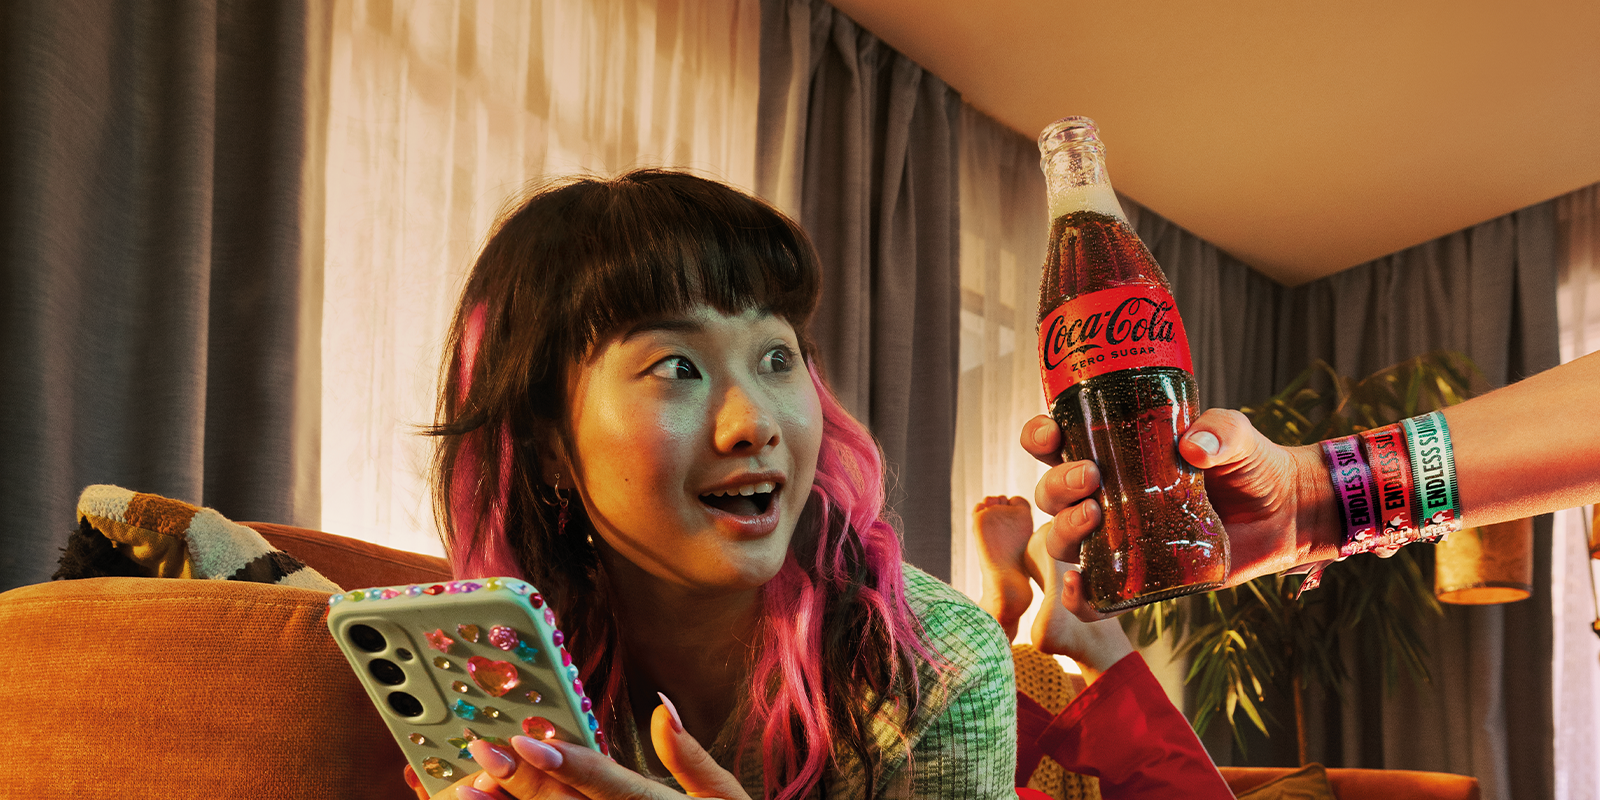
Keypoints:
(1119, 382)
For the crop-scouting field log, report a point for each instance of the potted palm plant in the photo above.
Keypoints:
(1241, 640)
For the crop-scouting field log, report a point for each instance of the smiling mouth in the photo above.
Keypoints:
(743, 502)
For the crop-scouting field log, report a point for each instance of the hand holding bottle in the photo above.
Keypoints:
(1275, 502)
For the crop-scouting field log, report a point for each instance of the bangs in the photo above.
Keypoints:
(652, 245)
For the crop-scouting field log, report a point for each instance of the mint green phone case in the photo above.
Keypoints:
(449, 662)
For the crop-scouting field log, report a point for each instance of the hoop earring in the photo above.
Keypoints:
(562, 515)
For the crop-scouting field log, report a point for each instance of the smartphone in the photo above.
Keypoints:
(446, 663)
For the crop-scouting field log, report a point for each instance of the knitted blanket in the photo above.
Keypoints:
(127, 533)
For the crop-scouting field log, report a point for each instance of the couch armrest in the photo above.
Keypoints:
(157, 688)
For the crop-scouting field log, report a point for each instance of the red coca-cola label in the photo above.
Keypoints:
(1130, 326)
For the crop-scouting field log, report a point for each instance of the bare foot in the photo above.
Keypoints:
(1004, 526)
(1056, 630)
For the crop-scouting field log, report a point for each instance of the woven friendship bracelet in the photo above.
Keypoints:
(1395, 491)
(1408, 471)
(1433, 463)
(1352, 482)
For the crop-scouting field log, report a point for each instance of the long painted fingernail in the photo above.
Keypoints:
(677, 721)
(537, 753)
(494, 762)
(469, 793)
(1207, 442)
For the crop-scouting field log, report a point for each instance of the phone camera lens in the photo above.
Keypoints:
(402, 653)
(386, 671)
(404, 704)
(367, 638)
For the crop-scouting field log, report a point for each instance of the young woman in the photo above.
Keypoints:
(630, 419)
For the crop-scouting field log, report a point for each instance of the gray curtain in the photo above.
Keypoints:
(860, 145)
(1229, 311)
(160, 287)
(1490, 292)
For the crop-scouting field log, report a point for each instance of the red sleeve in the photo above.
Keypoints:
(1125, 731)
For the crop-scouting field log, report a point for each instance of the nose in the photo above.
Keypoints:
(744, 423)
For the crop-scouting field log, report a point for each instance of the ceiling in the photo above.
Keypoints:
(1302, 138)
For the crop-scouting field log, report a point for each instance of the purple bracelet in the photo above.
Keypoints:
(1352, 482)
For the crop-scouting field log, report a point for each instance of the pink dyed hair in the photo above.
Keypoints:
(849, 488)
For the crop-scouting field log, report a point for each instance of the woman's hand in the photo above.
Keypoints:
(548, 770)
(1275, 502)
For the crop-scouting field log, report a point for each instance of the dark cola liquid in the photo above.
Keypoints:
(1160, 538)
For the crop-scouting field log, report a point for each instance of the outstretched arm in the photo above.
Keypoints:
(1529, 448)
(1521, 450)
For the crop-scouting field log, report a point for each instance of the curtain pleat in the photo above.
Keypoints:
(155, 331)
(859, 144)
(1228, 310)
(1003, 230)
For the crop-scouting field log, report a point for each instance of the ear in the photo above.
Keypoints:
(553, 458)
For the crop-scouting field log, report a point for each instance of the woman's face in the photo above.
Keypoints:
(695, 441)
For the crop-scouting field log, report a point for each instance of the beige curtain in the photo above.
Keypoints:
(1575, 678)
(1004, 224)
(441, 114)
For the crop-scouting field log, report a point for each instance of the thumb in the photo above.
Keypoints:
(697, 773)
(1220, 437)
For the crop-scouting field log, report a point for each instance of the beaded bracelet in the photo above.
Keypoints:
(1405, 474)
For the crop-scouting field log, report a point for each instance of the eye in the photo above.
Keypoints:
(675, 368)
(779, 359)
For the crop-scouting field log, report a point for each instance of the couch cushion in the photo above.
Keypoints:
(351, 563)
(1355, 784)
(1309, 782)
(150, 687)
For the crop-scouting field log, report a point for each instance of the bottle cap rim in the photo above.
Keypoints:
(1065, 131)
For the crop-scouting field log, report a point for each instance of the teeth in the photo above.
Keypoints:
(745, 491)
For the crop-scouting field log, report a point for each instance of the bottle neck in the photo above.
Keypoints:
(1075, 179)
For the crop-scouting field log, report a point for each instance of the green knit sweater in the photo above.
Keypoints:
(962, 743)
